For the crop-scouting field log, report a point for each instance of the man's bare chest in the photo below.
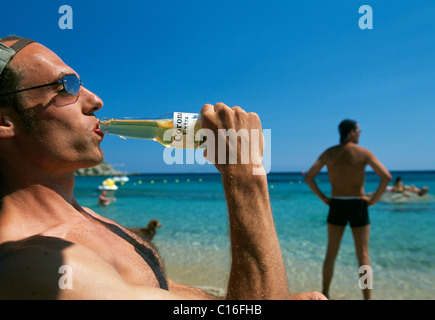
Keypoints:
(135, 261)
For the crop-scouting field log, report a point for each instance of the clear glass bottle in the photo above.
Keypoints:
(178, 132)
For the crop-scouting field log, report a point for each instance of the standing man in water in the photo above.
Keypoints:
(346, 165)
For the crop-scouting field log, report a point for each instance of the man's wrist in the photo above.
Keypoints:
(242, 170)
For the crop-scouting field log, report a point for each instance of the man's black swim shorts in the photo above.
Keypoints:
(354, 210)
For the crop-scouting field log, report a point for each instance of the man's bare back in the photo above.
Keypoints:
(346, 169)
(346, 164)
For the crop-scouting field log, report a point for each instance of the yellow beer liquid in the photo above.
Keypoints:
(146, 129)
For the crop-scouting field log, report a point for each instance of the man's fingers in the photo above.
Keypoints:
(238, 109)
(220, 106)
(206, 108)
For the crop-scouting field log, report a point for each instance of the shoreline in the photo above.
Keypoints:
(209, 269)
(340, 288)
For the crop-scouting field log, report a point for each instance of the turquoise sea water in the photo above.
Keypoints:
(194, 243)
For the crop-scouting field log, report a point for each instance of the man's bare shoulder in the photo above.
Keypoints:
(32, 245)
(34, 268)
(359, 148)
(329, 153)
(336, 150)
(364, 154)
(29, 268)
(43, 267)
(331, 149)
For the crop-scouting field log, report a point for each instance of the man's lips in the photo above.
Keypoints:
(99, 132)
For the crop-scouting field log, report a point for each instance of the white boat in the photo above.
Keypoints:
(122, 178)
(120, 175)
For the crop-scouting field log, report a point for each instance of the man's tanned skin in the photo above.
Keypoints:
(42, 227)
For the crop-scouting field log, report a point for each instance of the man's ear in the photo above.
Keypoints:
(7, 127)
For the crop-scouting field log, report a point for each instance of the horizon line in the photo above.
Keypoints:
(279, 172)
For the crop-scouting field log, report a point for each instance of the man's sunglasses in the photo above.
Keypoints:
(71, 85)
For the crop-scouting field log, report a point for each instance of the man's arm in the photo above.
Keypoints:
(309, 179)
(257, 270)
(382, 172)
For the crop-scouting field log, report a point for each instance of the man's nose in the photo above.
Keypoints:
(91, 102)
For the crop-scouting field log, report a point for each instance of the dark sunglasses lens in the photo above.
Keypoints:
(71, 84)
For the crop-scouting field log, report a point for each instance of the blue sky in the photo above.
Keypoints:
(303, 66)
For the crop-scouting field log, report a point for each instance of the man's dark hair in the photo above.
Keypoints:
(345, 127)
(10, 80)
